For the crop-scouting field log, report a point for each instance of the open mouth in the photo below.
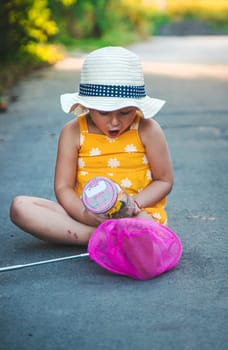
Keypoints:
(113, 133)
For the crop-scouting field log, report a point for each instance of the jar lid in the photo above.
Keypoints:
(99, 194)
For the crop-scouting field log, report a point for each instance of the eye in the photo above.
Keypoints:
(125, 112)
(103, 112)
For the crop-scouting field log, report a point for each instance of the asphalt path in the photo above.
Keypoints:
(78, 305)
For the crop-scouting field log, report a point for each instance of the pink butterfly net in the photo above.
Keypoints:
(135, 247)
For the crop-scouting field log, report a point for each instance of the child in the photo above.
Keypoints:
(112, 136)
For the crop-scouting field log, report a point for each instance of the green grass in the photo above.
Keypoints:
(110, 39)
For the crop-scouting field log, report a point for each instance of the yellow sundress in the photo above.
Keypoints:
(121, 159)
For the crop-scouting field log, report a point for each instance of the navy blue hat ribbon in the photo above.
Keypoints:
(122, 91)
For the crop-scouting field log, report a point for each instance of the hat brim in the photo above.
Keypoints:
(147, 105)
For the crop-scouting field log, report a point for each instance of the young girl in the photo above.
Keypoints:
(113, 136)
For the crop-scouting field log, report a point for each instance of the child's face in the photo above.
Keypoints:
(113, 123)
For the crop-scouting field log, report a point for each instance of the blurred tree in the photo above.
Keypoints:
(13, 33)
(23, 22)
(38, 23)
(101, 8)
(81, 18)
(26, 26)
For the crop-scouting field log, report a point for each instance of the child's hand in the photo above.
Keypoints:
(137, 210)
(92, 219)
(140, 213)
(130, 209)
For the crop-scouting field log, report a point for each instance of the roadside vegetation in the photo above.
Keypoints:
(36, 33)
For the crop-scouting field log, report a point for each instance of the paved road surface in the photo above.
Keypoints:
(78, 305)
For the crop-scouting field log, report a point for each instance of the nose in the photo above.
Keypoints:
(114, 120)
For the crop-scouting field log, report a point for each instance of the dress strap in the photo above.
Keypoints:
(82, 121)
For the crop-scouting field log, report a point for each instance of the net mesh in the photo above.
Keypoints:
(135, 247)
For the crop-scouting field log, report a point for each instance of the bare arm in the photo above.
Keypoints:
(160, 164)
(65, 175)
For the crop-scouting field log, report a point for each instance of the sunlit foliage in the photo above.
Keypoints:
(212, 10)
(22, 23)
(27, 23)
(31, 30)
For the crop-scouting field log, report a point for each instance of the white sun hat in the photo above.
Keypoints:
(111, 78)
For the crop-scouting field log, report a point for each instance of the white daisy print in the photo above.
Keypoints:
(156, 216)
(82, 138)
(83, 173)
(111, 140)
(144, 159)
(95, 151)
(113, 163)
(148, 174)
(130, 148)
(81, 163)
(110, 174)
(126, 183)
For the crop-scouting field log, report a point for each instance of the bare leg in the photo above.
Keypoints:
(144, 215)
(48, 221)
